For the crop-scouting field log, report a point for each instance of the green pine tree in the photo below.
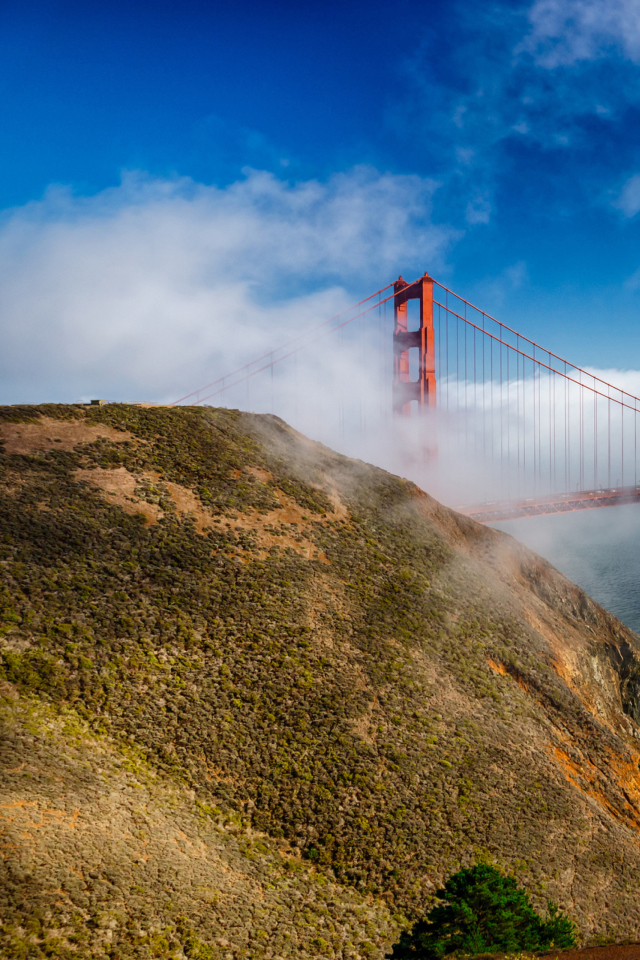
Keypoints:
(482, 911)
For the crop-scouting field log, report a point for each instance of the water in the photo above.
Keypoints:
(597, 549)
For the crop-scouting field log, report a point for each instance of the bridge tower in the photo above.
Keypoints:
(424, 388)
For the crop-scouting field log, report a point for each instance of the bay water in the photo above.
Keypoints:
(598, 549)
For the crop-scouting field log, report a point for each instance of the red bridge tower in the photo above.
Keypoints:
(424, 388)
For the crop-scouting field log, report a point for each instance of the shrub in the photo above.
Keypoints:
(482, 911)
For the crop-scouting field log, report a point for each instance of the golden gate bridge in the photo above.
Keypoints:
(465, 395)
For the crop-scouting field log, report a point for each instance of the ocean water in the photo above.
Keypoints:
(597, 549)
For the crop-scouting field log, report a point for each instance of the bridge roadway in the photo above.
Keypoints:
(553, 503)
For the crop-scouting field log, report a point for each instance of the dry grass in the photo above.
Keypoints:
(50, 434)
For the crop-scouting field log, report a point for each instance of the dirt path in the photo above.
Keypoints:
(622, 951)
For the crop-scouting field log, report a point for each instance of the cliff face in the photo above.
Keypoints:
(260, 699)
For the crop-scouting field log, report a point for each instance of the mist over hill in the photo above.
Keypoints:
(259, 699)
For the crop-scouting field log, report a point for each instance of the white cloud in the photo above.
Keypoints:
(495, 290)
(564, 32)
(148, 289)
(629, 200)
(465, 155)
(627, 380)
(479, 209)
(496, 106)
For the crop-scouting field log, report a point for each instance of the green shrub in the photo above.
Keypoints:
(482, 911)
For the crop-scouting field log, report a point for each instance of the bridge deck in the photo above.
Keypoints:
(554, 503)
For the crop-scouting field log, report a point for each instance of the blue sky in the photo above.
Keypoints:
(495, 144)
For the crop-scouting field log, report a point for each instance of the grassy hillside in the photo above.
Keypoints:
(284, 694)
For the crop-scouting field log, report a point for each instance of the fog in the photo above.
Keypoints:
(597, 549)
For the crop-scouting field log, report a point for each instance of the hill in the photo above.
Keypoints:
(259, 700)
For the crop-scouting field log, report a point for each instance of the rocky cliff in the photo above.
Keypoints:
(260, 699)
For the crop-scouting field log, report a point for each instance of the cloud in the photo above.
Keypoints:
(564, 32)
(626, 380)
(147, 290)
(508, 95)
(495, 290)
(629, 200)
(479, 209)
(236, 146)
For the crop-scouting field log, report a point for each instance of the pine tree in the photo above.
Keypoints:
(482, 911)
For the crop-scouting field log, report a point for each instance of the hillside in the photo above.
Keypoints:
(259, 699)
